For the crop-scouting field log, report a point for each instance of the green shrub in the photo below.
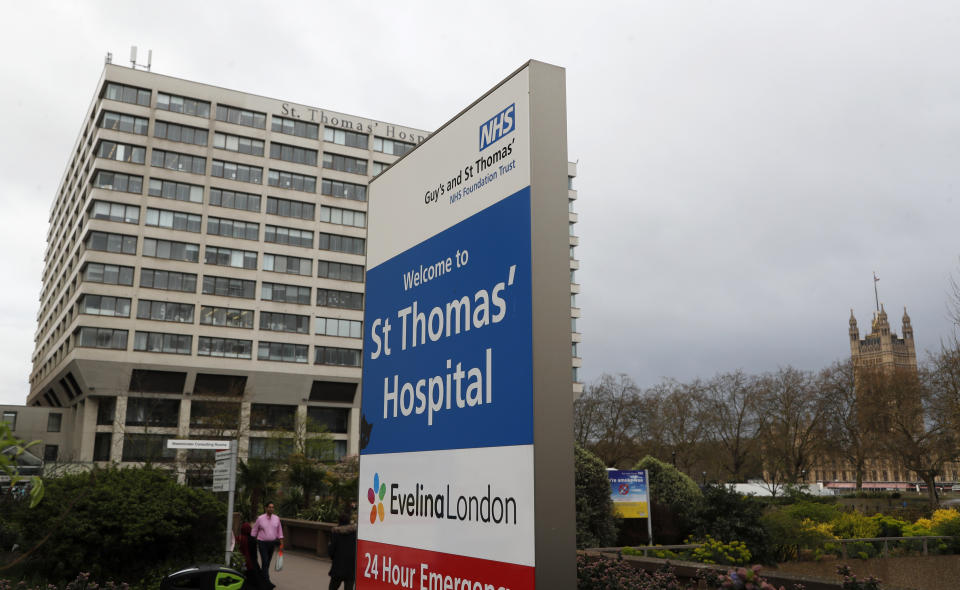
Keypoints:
(815, 511)
(674, 500)
(132, 524)
(715, 551)
(854, 525)
(728, 516)
(889, 526)
(596, 524)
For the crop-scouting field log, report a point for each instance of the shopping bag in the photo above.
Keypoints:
(279, 563)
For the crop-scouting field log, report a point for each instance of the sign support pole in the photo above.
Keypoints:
(228, 549)
(646, 478)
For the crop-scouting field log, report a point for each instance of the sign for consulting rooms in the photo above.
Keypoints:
(447, 426)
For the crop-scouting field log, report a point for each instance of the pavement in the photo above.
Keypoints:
(301, 571)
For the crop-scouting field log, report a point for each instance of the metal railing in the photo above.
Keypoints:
(886, 542)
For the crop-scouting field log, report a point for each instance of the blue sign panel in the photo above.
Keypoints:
(628, 490)
(448, 338)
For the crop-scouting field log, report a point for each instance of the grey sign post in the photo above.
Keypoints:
(224, 476)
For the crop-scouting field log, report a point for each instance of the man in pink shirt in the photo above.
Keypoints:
(269, 534)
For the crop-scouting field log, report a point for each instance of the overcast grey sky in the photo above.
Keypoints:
(744, 166)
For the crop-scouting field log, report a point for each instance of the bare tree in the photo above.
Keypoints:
(680, 421)
(791, 424)
(908, 415)
(606, 420)
(731, 414)
(847, 432)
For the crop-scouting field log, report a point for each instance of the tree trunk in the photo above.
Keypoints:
(931, 490)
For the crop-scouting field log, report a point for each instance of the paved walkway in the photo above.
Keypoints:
(301, 571)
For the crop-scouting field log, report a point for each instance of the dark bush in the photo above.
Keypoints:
(728, 516)
(674, 499)
(596, 524)
(130, 524)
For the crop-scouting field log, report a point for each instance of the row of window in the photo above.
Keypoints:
(255, 119)
(166, 280)
(193, 193)
(170, 311)
(236, 143)
(189, 252)
(153, 448)
(163, 342)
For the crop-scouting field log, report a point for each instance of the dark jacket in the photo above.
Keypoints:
(343, 551)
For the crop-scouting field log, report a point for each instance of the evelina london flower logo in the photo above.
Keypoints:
(375, 495)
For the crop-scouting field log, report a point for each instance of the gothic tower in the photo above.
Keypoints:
(881, 348)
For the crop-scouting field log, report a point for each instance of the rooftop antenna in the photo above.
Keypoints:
(133, 59)
(876, 297)
(109, 58)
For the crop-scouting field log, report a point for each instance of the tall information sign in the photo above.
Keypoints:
(466, 460)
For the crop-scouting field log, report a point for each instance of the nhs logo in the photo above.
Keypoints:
(499, 126)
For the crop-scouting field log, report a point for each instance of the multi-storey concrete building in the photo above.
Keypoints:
(204, 273)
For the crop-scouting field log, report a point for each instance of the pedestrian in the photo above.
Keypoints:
(269, 535)
(247, 546)
(343, 552)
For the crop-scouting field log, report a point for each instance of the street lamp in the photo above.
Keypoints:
(703, 478)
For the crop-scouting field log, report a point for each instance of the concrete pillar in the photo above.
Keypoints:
(87, 423)
(116, 449)
(353, 432)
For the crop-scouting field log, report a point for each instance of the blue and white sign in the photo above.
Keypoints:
(449, 342)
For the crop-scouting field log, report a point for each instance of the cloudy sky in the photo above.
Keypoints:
(744, 166)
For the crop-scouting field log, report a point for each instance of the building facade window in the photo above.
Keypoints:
(168, 280)
(282, 351)
(340, 271)
(224, 347)
(292, 181)
(344, 163)
(108, 274)
(344, 137)
(115, 212)
(292, 153)
(227, 317)
(343, 216)
(54, 422)
(124, 123)
(288, 235)
(238, 172)
(295, 127)
(241, 116)
(177, 191)
(227, 287)
(50, 452)
(180, 133)
(231, 257)
(105, 305)
(127, 94)
(270, 448)
(338, 327)
(341, 357)
(288, 264)
(234, 200)
(338, 243)
(115, 181)
(147, 447)
(108, 242)
(162, 342)
(10, 418)
(233, 228)
(101, 338)
(391, 146)
(341, 299)
(284, 322)
(207, 414)
(165, 311)
(121, 152)
(333, 420)
(285, 293)
(177, 161)
(344, 190)
(379, 167)
(102, 441)
(183, 104)
(171, 250)
(288, 208)
(177, 220)
(238, 143)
